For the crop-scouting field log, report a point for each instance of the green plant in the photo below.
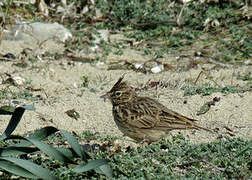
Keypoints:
(17, 158)
(153, 21)
(189, 91)
(245, 77)
(85, 81)
(178, 158)
(33, 60)
(21, 93)
(7, 10)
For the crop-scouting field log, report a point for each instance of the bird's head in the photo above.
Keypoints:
(120, 93)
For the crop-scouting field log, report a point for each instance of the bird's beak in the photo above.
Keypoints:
(105, 96)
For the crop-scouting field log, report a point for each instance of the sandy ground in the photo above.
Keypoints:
(60, 84)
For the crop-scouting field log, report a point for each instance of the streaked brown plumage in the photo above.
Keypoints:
(143, 118)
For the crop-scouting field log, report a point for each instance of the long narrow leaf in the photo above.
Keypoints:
(7, 110)
(29, 107)
(15, 119)
(105, 169)
(90, 165)
(15, 151)
(43, 132)
(68, 152)
(31, 167)
(38, 135)
(49, 150)
(75, 145)
(22, 139)
(14, 169)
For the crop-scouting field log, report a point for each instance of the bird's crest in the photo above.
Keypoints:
(120, 84)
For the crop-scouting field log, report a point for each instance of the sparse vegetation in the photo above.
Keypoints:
(17, 93)
(214, 32)
(189, 91)
(154, 21)
(31, 157)
(227, 158)
(84, 81)
(245, 77)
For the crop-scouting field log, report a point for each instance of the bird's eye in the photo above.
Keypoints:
(118, 93)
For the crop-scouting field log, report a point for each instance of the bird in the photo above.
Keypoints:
(142, 118)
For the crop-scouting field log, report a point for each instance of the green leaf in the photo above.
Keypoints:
(68, 152)
(75, 145)
(29, 107)
(49, 150)
(15, 119)
(43, 133)
(105, 169)
(90, 165)
(31, 167)
(14, 169)
(7, 110)
(204, 109)
(38, 135)
(15, 151)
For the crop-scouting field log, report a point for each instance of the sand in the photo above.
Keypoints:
(60, 84)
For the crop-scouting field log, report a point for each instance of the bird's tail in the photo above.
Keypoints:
(196, 126)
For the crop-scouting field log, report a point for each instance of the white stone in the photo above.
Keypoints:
(75, 85)
(157, 69)
(138, 65)
(38, 31)
(18, 80)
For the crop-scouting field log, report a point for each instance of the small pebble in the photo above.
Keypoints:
(18, 80)
(138, 65)
(157, 69)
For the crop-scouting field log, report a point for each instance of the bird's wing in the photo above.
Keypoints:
(174, 120)
(148, 113)
(140, 114)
